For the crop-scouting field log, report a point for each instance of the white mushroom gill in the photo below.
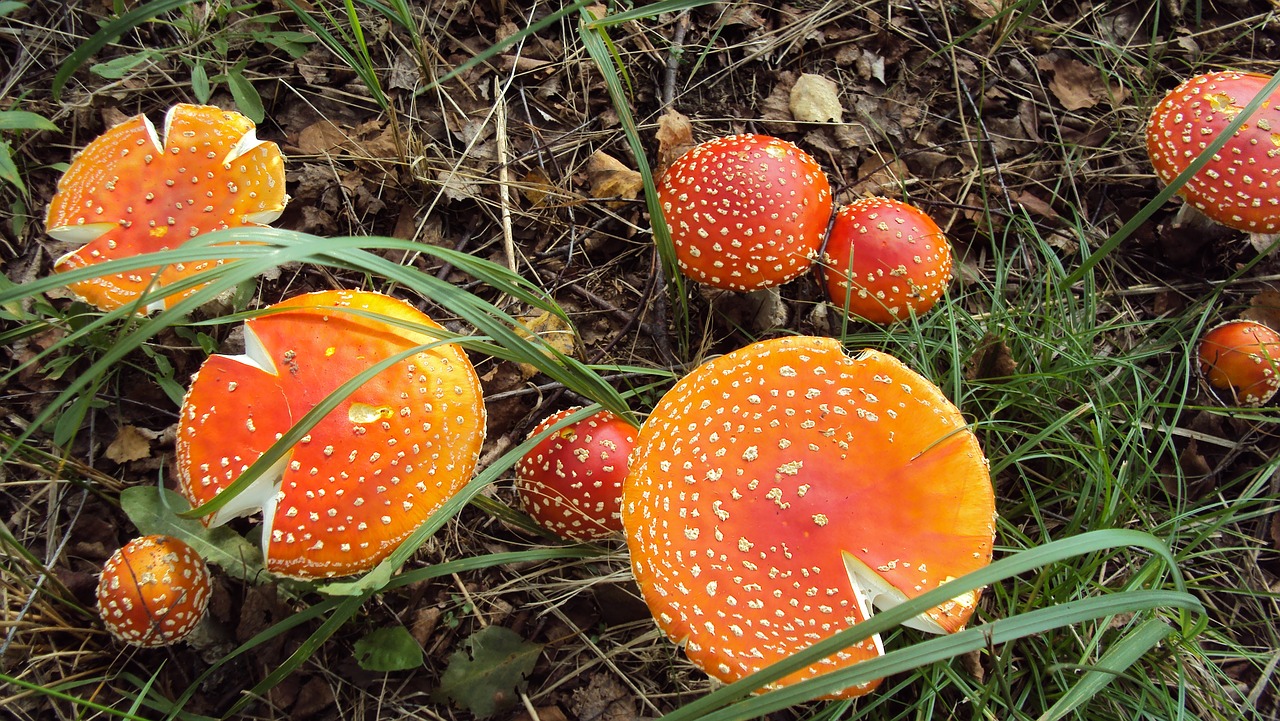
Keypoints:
(877, 592)
(264, 492)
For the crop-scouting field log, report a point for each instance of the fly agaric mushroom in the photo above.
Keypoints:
(128, 192)
(745, 211)
(153, 591)
(1241, 359)
(781, 491)
(571, 481)
(885, 260)
(1238, 187)
(373, 469)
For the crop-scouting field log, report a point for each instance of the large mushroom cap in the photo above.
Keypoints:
(778, 492)
(885, 260)
(745, 211)
(373, 469)
(131, 192)
(1239, 186)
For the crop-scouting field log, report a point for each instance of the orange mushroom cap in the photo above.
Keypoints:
(571, 481)
(1238, 187)
(130, 192)
(372, 470)
(1241, 358)
(886, 259)
(153, 591)
(778, 492)
(745, 211)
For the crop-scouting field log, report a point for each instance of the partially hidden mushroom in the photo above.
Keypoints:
(1238, 187)
(1240, 362)
(131, 191)
(780, 493)
(373, 469)
(745, 211)
(570, 483)
(885, 260)
(153, 591)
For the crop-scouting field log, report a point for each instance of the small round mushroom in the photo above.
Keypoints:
(1240, 362)
(1238, 187)
(131, 192)
(885, 260)
(153, 591)
(373, 469)
(745, 211)
(571, 481)
(781, 492)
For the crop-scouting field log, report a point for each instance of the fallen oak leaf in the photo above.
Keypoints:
(609, 178)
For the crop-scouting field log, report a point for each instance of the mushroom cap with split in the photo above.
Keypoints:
(885, 260)
(1240, 362)
(131, 192)
(780, 492)
(153, 591)
(745, 211)
(571, 481)
(373, 469)
(1238, 187)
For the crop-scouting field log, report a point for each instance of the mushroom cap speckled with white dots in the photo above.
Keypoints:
(1240, 186)
(1240, 362)
(130, 192)
(885, 260)
(779, 492)
(373, 469)
(153, 591)
(571, 481)
(745, 211)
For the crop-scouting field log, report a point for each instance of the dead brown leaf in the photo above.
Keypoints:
(992, 360)
(609, 178)
(537, 187)
(775, 109)
(1264, 308)
(675, 136)
(815, 99)
(1078, 86)
(553, 331)
(130, 444)
(605, 699)
(877, 176)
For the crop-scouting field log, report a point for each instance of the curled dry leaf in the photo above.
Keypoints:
(1078, 86)
(609, 178)
(815, 99)
(1264, 308)
(675, 136)
(130, 444)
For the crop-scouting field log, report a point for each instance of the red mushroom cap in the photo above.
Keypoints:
(129, 192)
(886, 260)
(778, 492)
(153, 591)
(1241, 358)
(745, 211)
(1238, 187)
(571, 481)
(373, 469)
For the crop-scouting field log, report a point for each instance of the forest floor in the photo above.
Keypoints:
(1017, 125)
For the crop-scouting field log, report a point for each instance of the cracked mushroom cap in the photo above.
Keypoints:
(131, 192)
(1240, 362)
(745, 211)
(373, 469)
(1238, 187)
(885, 260)
(778, 494)
(571, 481)
(153, 591)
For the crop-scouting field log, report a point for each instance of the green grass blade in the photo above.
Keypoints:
(1122, 654)
(107, 35)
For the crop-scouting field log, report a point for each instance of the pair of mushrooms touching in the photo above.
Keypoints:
(751, 211)
(745, 497)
